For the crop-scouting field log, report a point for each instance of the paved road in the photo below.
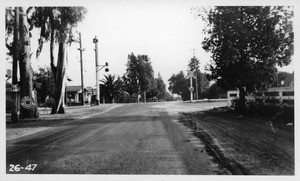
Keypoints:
(130, 139)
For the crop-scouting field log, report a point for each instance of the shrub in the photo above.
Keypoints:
(269, 108)
(50, 102)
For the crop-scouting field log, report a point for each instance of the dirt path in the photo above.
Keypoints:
(247, 143)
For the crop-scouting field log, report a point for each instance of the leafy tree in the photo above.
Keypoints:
(158, 90)
(111, 88)
(246, 43)
(160, 87)
(56, 25)
(139, 75)
(178, 84)
(146, 78)
(214, 91)
(10, 26)
(44, 84)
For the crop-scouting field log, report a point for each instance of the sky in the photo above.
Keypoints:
(166, 31)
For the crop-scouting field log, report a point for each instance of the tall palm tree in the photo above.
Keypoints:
(112, 89)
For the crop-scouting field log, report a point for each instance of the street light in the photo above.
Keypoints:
(95, 40)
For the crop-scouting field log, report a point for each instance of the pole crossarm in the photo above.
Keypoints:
(101, 67)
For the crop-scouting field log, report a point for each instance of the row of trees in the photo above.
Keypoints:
(138, 83)
(56, 25)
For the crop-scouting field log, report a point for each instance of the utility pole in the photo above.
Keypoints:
(81, 65)
(196, 74)
(95, 40)
(14, 113)
(193, 51)
(191, 89)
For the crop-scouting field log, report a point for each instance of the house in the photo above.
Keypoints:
(73, 95)
(288, 81)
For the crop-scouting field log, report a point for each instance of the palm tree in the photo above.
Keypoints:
(112, 89)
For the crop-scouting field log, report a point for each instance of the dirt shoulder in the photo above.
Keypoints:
(248, 145)
(47, 120)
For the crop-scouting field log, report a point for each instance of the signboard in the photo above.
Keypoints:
(191, 89)
(15, 88)
(27, 102)
(191, 74)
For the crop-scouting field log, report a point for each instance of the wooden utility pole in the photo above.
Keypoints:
(191, 89)
(14, 112)
(196, 96)
(81, 66)
(95, 40)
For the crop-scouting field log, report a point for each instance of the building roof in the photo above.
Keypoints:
(75, 88)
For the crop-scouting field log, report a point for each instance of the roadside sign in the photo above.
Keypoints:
(191, 74)
(191, 89)
(27, 102)
(15, 88)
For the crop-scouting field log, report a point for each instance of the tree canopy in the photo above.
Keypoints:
(56, 25)
(139, 76)
(247, 43)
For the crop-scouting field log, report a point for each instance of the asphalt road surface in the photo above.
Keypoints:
(130, 139)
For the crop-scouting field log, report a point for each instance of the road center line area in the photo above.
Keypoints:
(130, 139)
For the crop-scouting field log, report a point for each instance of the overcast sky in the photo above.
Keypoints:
(166, 31)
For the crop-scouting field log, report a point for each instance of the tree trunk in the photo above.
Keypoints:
(59, 106)
(53, 67)
(26, 86)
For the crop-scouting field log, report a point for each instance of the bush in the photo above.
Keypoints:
(267, 109)
(50, 102)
